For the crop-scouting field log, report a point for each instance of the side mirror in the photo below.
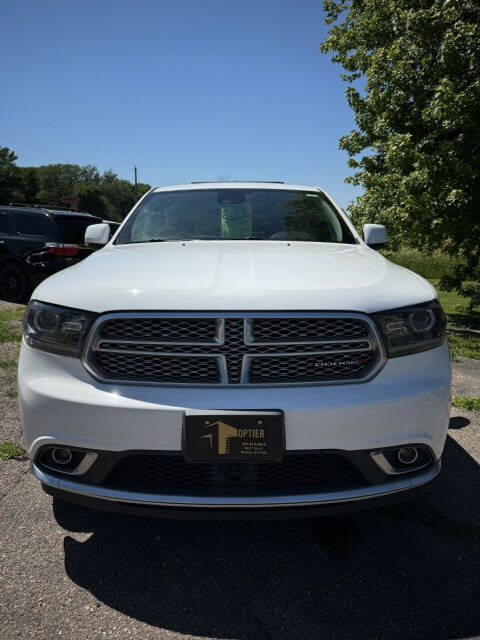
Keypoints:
(375, 235)
(97, 234)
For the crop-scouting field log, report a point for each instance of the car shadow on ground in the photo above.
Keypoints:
(404, 571)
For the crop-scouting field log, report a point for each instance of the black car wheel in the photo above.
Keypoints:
(14, 284)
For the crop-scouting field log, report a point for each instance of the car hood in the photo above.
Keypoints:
(235, 276)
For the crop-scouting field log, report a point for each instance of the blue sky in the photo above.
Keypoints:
(186, 90)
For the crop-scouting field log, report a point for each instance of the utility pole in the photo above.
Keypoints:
(135, 169)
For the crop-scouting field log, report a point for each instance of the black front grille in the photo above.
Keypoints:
(164, 329)
(121, 366)
(304, 329)
(167, 472)
(307, 368)
(234, 350)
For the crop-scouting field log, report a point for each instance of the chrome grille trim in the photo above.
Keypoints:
(370, 343)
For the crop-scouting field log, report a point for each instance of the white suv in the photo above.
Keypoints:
(236, 347)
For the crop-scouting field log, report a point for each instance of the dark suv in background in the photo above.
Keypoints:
(36, 242)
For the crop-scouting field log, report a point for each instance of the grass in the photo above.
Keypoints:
(463, 343)
(470, 403)
(11, 384)
(9, 329)
(9, 451)
(9, 364)
(456, 308)
(432, 266)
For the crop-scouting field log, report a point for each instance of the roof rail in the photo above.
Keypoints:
(50, 207)
(254, 181)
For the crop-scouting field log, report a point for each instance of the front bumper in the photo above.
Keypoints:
(407, 402)
(175, 506)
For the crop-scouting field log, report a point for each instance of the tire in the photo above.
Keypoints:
(14, 283)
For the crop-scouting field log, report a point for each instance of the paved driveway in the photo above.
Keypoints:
(406, 571)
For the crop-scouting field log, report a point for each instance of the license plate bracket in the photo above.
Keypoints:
(240, 436)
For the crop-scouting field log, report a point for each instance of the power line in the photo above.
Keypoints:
(49, 154)
(29, 146)
(65, 131)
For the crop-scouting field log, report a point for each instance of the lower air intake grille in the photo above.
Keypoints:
(145, 473)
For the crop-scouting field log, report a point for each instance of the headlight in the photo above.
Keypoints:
(56, 329)
(412, 329)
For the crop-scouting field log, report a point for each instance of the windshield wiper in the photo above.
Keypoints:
(245, 238)
(192, 239)
(145, 241)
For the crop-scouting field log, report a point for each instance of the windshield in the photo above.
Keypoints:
(235, 214)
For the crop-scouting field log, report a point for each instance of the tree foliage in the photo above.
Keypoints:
(104, 195)
(11, 182)
(31, 184)
(413, 68)
(92, 200)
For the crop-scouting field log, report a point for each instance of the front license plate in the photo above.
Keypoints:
(234, 437)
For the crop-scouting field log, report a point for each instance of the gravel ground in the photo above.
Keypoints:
(404, 571)
(466, 377)
(9, 416)
(9, 422)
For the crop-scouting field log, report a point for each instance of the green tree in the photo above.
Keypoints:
(31, 184)
(120, 194)
(92, 200)
(59, 180)
(413, 68)
(11, 184)
(142, 188)
(105, 195)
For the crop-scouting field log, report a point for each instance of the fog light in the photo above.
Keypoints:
(61, 455)
(407, 455)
